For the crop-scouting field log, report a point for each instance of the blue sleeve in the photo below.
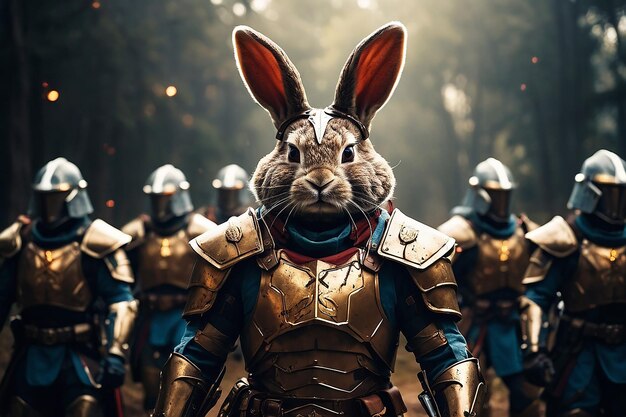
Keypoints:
(234, 303)
(7, 287)
(412, 316)
(110, 289)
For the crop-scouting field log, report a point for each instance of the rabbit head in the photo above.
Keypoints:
(323, 166)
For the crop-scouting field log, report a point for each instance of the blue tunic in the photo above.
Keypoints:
(501, 336)
(595, 355)
(395, 286)
(42, 364)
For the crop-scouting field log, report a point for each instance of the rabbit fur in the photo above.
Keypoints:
(315, 182)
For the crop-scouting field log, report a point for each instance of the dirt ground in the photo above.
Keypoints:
(404, 377)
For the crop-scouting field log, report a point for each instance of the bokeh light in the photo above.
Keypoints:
(171, 91)
(53, 95)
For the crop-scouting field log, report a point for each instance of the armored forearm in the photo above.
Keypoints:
(122, 318)
(184, 391)
(459, 391)
(531, 317)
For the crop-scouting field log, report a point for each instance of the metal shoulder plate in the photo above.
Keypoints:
(119, 266)
(461, 230)
(11, 240)
(198, 224)
(206, 280)
(136, 229)
(438, 287)
(102, 239)
(231, 242)
(555, 237)
(412, 243)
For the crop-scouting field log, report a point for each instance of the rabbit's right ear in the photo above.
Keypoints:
(371, 73)
(269, 75)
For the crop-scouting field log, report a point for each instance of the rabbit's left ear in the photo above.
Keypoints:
(271, 78)
(371, 73)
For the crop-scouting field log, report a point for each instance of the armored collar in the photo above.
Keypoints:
(319, 118)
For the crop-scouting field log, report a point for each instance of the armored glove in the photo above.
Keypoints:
(538, 368)
(112, 372)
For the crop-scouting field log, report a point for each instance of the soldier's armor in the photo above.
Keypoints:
(165, 260)
(54, 277)
(500, 263)
(600, 275)
(318, 329)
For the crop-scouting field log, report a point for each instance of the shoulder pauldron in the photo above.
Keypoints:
(412, 243)
(11, 240)
(136, 229)
(102, 239)
(119, 266)
(555, 237)
(438, 288)
(230, 242)
(461, 230)
(221, 247)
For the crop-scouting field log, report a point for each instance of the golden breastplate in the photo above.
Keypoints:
(500, 263)
(165, 261)
(319, 330)
(600, 278)
(52, 278)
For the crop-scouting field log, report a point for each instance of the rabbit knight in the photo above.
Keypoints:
(492, 256)
(59, 268)
(162, 261)
(584, 260)
(319, 281)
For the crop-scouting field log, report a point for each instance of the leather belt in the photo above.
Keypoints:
(162, 302)
(611, 334)
(78, 333)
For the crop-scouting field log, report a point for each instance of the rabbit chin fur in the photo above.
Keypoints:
(355, 187)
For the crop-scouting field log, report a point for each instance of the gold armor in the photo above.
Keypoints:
(462, 388)
(599, 278)
(11, 240)
(54, 277)
(165, 260)
(500, 263)
(319, 330)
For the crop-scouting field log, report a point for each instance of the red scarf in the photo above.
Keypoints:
(360, 234)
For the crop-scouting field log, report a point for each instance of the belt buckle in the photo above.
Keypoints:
(47, 336)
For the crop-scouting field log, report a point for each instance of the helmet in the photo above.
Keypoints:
(168, 190)
(59, 193)
(600, 188)
(490, 191)
(231, 184)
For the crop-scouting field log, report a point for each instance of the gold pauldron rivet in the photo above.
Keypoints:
(407, 235)
(233, 233)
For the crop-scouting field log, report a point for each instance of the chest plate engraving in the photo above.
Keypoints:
(319, 330)
(52, 278)
(500, 264)
(165, 261)
(599, 278)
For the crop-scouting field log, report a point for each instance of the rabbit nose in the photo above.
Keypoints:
(320, 178)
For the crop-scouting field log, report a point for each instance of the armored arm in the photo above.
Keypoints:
(191, 377)
(451, 378)
(10, 246)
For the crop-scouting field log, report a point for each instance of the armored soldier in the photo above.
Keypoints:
(59, 268)
(492, 256)
(233, 197)
(584, 260)
(320, 281)
(162, 261)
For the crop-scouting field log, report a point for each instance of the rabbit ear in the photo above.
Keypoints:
(372, 72)
(269, 75)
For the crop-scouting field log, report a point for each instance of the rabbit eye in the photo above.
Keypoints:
(348, 154)
(294, 154)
